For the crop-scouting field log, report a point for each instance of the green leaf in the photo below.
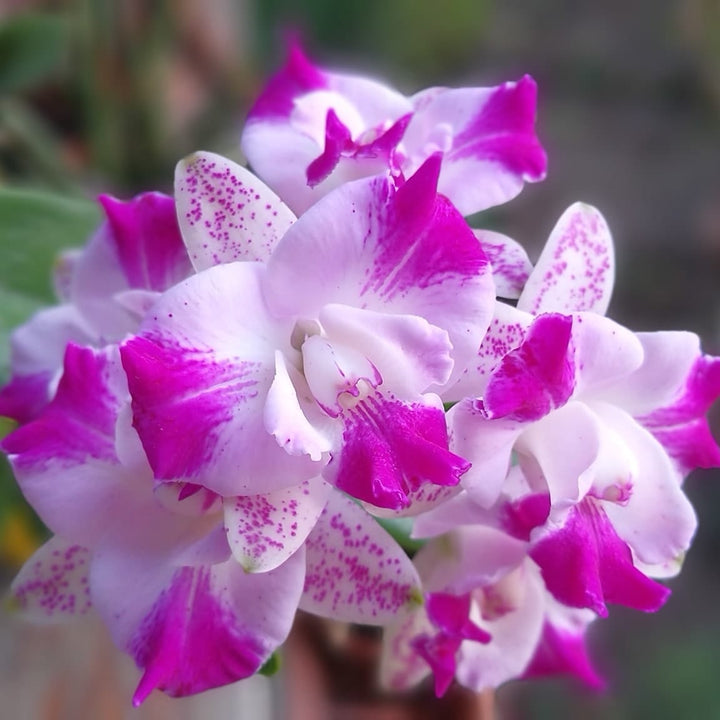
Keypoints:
(272, 665)
(33, 48)
(34, 227)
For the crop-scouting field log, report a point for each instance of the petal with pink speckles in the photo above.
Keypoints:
(265, 530)
(511, 266)
(537, 376)
(576, 269)
(356, 572)
(53, 585)
(506, 332)
(225, 213)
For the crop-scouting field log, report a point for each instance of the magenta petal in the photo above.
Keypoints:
(536, 377)
(147, 240)
(25, 396)
(451, 614)
(561, 652)
(337, 141)
(585, 564)
(297, 77)
(391, 448)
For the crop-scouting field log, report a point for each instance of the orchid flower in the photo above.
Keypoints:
(158, 561)
(317, 348)
(487, 618)
(593, 421)
(136, 253)
(312, 130)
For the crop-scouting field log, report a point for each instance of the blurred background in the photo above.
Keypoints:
(102, 96)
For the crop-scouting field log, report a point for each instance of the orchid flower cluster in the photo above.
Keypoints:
(245, 385)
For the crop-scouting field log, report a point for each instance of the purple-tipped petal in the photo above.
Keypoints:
(585, 564)
(391, 448)
(146, 237)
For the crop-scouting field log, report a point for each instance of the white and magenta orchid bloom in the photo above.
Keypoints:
(163, 563)
(136, 253)
(254, 377)
(312, 130)
(487, 618)
(574, 399)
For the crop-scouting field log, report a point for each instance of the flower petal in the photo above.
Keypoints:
(355, 571)
(391, 448)
(147, 240)
(265, 530)
(657, 521)
(493, 146)
(585, 564)
(576, 269)
(199, 374)
(225, 212)
(194, 628)
(404, 252)
(511, 266)
(538, 376)
(53, 584)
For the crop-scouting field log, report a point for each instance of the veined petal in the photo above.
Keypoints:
(265, 530)
(147, 240)
(492, 149)
(36, 356)
(226, 214)
(391, 448)
(506, 332)
(53, 586)
(199, 374)
(536, 377)
(511, 266)
(576, 269)
(404, 252)
(194, 628)
(585, 564)
(356, 572)
(65, 460)
(409, 353)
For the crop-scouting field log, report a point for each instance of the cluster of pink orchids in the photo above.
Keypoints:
(248, 388)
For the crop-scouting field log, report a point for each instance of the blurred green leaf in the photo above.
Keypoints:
(32, 49)
(34, 227)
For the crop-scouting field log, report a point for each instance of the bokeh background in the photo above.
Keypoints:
(102, 96)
